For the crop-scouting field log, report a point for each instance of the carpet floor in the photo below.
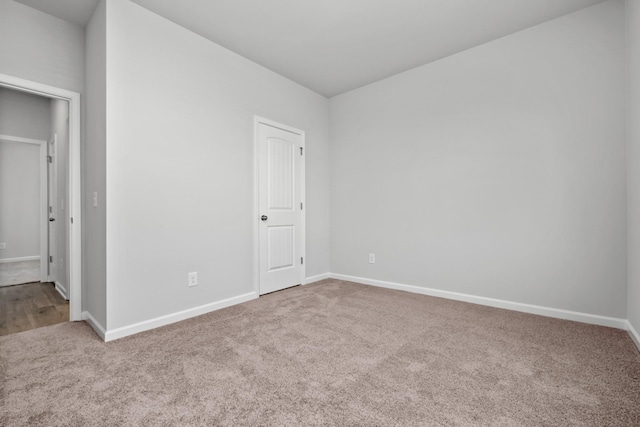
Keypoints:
(332, 353)
(19, 272)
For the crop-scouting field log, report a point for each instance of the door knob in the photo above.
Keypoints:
(51, 219)
(264, 217)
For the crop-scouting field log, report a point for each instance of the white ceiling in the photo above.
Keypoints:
(332, 46)
(77, 11)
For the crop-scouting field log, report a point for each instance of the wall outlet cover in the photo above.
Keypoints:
(193, 279)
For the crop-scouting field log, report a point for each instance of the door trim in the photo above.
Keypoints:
(42, 167)
(52, 202)
(256, 199)
(74, 202)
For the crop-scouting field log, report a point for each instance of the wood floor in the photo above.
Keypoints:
(30, 306)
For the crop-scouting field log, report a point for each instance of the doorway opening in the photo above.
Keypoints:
(54, 151)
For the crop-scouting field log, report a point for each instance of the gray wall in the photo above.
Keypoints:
(497, 172)
(633, 158)
(179, 160)
(26, 116)
(94, 291)
(39, 47)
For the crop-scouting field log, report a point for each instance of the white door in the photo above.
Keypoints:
(51, 209)
(280, 164)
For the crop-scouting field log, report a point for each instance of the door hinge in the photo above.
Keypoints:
(50, 258)
(301, 206)
(301, 151)
(301, 260)
(50, 209)
(50, 159)
(71, 219)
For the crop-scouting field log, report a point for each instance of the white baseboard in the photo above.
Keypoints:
(146, 325)
(317, 278)
(95, 325)
(633, 334)
(62, 290)
(592, 319)
(19, 259)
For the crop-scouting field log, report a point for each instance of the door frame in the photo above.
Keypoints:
(74, 196)
(43, 217)
(256, 199)
(52, 195)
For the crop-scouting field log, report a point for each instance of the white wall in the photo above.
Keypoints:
(633, 158)
(94, 286)
(179, 162)
(498, 172)
(60, 127)
(26, 116)
(41, 48)
(19, 199)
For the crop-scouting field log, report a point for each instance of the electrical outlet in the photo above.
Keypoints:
(372, 258)
(193, 279)
(3, 245)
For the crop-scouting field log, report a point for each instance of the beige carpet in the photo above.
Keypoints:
(17, 273)
(333, 353)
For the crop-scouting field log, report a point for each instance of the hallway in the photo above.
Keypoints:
(31, 306)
